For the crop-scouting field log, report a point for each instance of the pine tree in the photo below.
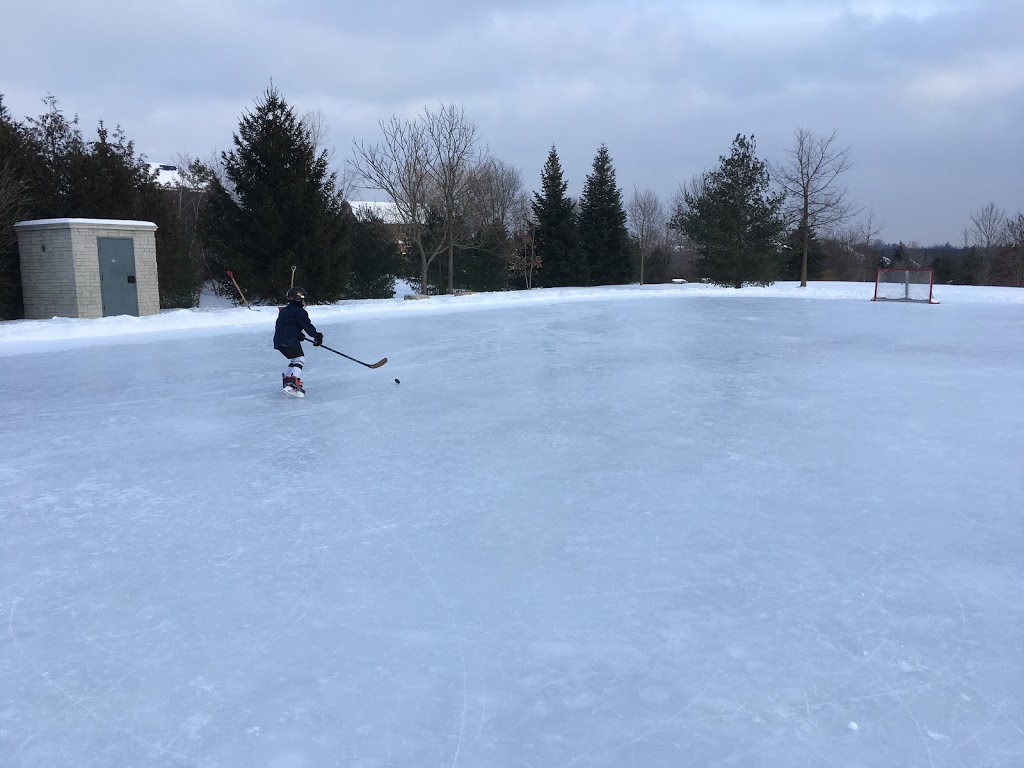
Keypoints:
(105, 179)
(278, 206)
(733, 219)
(59, 147)
(109, 181)
(374, 259)
(793, 257)
(482, 264)
(557, 236)
(16, 163)
(604, 239)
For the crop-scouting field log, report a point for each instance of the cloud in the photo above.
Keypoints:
(925, 90)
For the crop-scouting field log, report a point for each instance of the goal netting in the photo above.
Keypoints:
(900, 284)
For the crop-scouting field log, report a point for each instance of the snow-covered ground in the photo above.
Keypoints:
(658, 526)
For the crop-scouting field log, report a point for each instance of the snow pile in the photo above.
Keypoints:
(216, 315)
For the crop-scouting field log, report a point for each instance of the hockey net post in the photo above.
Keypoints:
(905, 284)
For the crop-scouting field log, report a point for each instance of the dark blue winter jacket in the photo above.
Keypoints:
(292, 320)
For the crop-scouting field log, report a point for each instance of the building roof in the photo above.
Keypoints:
(166, 174)
(100, 223)
(386, 211)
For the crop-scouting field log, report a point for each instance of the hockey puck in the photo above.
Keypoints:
(397, 381)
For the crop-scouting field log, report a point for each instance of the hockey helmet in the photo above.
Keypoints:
(296, 294)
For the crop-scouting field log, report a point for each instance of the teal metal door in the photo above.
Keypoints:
(117, 276)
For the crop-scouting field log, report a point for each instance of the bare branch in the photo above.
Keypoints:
(13, 196)
(647, 219)
(987, 235)
(498, 195)
(815, 201)
(1015, 249)
(455, 157)
(423, 165)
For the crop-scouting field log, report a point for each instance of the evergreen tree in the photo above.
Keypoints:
(483, 262)
(899, 256)
(59, 147)
(182, 277)
(374, 259)
(278, 206)
(66, 176)
(557, 236)
(792, 257)
(431, 237)
(16, 156)
(604, 238)
(109, 181)
(733, 220)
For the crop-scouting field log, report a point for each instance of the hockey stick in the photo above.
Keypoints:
(232, 276)
(378, 364)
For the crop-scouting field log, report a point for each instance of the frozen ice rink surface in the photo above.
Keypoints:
(644, 532)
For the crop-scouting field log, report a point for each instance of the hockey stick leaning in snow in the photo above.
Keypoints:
(232, 276)
(378, 364)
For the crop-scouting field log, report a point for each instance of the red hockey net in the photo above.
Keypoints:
(902, 284)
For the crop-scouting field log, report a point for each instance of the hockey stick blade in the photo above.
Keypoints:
(378, 364)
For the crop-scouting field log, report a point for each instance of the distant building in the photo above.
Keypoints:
(386, 212)
(88, 267)
(166, 174)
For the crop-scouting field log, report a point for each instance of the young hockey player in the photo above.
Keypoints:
(292, 320)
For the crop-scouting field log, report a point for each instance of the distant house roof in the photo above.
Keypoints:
(386, 211)
(166, 174)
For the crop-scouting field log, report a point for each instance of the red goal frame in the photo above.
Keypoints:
(883, 272)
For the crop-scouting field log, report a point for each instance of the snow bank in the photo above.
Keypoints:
(213, 316)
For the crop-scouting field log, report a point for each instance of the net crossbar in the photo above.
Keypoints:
(904, 284)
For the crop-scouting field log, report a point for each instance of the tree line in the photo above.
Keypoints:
(271, 206)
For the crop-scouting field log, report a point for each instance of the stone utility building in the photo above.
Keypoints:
(88, 267)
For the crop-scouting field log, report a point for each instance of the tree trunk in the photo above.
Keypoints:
(451, 269)
(805, 240)
(805, 246)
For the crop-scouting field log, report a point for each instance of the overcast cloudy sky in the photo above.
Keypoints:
(930, 93)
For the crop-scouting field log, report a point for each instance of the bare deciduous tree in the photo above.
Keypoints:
(315, 121)
(647, 220)
(988, 235)
(398, 166)
(866, 231)
(13, 196)
(815, 202)
(455, 157)
(499, 204)
(678, 244)
(1015, 249)
(524, 261)
(425, 164)
(498, 195)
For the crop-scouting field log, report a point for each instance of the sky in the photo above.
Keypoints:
(572, 535)
(929, 94)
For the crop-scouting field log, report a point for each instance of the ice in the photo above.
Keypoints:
(620, 527)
